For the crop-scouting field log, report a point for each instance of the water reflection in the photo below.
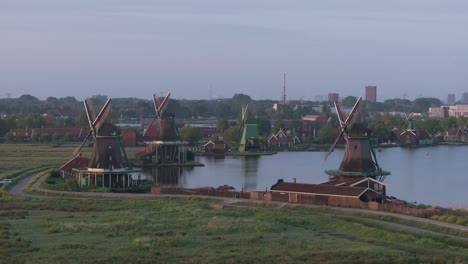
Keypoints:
(165, 176)
(249, 172)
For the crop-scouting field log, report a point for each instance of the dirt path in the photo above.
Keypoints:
(18, 190)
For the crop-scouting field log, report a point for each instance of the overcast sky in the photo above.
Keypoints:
(135, 48)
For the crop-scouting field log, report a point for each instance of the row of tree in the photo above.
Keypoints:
(28, 112)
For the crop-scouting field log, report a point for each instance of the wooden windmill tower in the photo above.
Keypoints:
(359, 159)
(167, 125)
(166, 148)
(249, 128)
(108, 163)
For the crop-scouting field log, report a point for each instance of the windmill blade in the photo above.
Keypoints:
(351, 119)
(329, 151)
(90, 113)
(103, 114)
(244, 113)
(163, 105)
(156, 105)
(152, 122)
(78, 149)
(339, 113)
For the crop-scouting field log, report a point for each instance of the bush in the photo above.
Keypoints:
(451, 219)
(55, 174)
(461, 221)
(72, 185)
(50, 182)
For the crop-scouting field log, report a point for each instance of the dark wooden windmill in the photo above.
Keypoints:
(166, 148)
(108, 152)
(108, 165)
(166, 120)
(359, 159)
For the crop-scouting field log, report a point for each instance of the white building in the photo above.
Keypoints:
(458, 110)
(437, 112)
(446, 111)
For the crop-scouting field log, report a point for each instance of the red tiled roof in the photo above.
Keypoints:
(21, 131)
(318, 189)
(343, 182)
(76, 162)
(218, 144)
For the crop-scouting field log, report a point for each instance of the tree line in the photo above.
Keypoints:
(29, 112)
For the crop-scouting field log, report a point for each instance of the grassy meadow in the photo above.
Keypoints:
(188, 230)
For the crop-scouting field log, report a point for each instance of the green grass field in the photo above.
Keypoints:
(188, 230)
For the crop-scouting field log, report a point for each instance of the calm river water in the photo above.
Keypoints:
(433, 175)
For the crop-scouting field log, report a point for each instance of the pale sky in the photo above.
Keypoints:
(135, 48)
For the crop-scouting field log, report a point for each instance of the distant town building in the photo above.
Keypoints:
(451, 99)
(439, 112)
(371, 93)
(333, 97)
(464, 98)
(458, 110)
(319, 98)
(446, 111)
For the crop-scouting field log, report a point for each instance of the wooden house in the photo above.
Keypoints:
(452, 134)
(281, 141)
(368, 182)
(215, 147)
(130, 137)
(415, 138)
(424, 138)
(66, 171)
(409, 138)
(21, 134)
(464, 134)
(323, 194)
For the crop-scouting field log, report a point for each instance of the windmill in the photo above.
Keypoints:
(249, 128)
(359, 159)
(108, 152)
(166, 121)
(411, 136)
(108, 165)
(166, 148)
